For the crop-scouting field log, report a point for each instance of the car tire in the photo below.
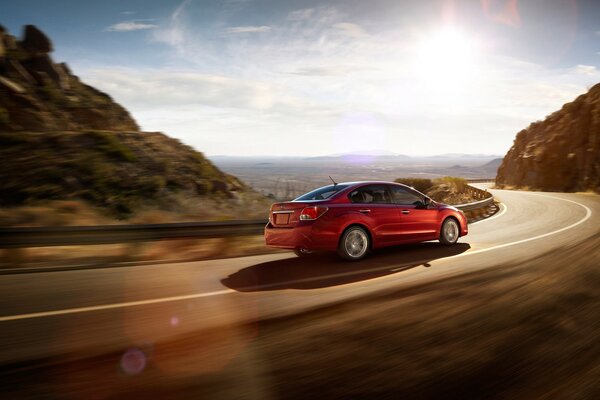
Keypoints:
(450, 232)
(354, 244)
(303, 253)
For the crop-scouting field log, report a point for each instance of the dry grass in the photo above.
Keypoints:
(160, 251)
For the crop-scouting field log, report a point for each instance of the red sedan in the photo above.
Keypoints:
(355, 217)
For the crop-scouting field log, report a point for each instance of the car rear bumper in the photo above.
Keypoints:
(303, 235)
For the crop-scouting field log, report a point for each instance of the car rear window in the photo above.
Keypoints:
(322, 193)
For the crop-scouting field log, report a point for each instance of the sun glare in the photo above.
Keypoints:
(446, 60)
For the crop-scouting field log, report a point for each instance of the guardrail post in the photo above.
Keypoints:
(134, 250)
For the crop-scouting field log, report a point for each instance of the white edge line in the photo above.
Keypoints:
(115, 305)
(588, 214)
(226, 291)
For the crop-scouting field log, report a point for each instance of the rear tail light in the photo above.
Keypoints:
(310, 213)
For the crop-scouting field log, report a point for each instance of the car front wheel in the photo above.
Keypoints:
(450, 232)
(354, 244)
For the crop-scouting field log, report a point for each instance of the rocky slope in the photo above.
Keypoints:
(61, 139)
(37, 94)
(560, 153)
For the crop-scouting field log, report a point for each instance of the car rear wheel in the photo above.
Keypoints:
(450, 232)
(355, 244)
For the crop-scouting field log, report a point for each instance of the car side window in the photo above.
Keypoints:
(404, 196)
(373, 194)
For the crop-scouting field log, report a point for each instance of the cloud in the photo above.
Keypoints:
(301, 15)
(350, 29)
(319, 69)
(246, 29)
(128, 26)
(155, 88)
(127, 12)
(589, 70)
(173, 33)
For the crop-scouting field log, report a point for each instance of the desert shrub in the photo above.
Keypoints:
(52, 93)
(109, 144)
(459, 184)
(421, 184)
(8, 140)
(206, 169)
(148, 186)
(4, 116)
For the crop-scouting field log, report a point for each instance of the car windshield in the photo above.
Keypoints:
(321, 193)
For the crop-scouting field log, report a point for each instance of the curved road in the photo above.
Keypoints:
(90, 312)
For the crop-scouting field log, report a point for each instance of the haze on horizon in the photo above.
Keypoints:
(308, 78)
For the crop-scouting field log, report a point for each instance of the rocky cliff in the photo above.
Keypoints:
(62, 140)
(560, 153)
(37, 94)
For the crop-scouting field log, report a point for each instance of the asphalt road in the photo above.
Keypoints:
(90, 312)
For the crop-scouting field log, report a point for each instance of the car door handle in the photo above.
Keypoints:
(405, 212)
(364, 211)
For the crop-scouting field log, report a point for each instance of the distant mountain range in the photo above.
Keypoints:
(367, 155)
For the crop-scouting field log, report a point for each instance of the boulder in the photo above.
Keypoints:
(35, 41)
(44, 64)
(41, 95)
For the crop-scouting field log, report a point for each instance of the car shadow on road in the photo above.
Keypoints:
(326, 270)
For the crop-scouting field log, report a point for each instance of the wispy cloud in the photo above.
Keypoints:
(350, 29)
(127, 12)
(589, 70)
(320, 69)
(301, 15)
(246, 29)
(173, 33)
(128, 26)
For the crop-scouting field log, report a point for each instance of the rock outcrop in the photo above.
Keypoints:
(560, 153)
(37, 94)
(61, 139)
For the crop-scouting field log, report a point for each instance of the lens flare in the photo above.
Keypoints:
(133, 361)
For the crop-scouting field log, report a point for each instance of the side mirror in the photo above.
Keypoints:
(427, 202)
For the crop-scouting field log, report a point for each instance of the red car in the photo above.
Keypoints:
(355, 217)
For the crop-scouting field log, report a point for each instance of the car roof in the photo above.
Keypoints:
(360, 183)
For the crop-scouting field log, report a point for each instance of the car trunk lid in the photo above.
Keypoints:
(286, 214)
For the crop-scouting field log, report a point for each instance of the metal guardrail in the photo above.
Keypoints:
(111, 234)
(486, 197)
(476, 205)
(482, 180)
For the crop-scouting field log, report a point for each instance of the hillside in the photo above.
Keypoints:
(560, 153)
(62, 140)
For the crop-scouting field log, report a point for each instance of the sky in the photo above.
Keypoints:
(302, 78)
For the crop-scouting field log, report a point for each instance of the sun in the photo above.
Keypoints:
(447, 59)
